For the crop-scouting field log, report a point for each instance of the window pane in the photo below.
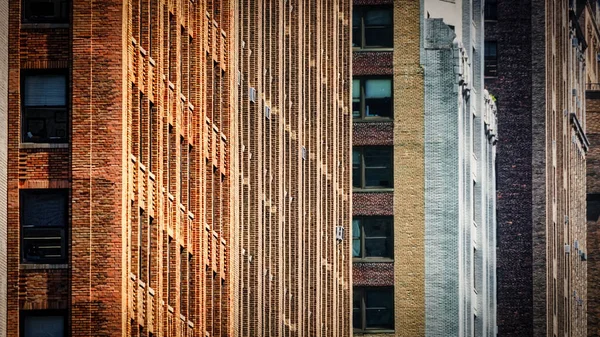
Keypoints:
(45, 90)
(356, 238)
(378, 227)
(379, 318)
(378, 17)
(377, 247)
(378, 171)
(356, 180)
(356, 316)
(356, 98)
(44, 209)
(45, 125)
(379, 37)
(379, 304)
(378, 102)
(43, 244)
(378, 88)
(356, 29)
(47, 326)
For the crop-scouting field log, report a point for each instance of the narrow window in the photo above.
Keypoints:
(372, 167)
(45, 116)
(372, 27)
(44, 218)
(373, 308)
(372, 237)
(141, 129)
(491, 10)
(490, 58)
(150, 135)
(372, 98)
(48, 323)
(46, 11)
(141, 247)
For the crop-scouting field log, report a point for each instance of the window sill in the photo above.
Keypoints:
(374, 331)
(44, 145)
(41, 266)
(354, 49)
(43, 25)
(372, 190)
(372, 120)
(374, 260)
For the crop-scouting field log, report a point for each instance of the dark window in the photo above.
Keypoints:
(43, 226)
(48, 323)
(373, 308)
(45, 116)
(372, 237)
(51, 11)
(372, 27)
(371, 98)
(491, 58)
(491, 10)
(372, 167)
(151, 131)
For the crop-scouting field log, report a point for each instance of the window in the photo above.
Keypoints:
(373, 308)
(372, 237)
(43, 323)
(372, 27)
(372, 167)
(371, 98)
(43, 226)
(491, 10)
(491, 58)
(44, 108)
(50, 11)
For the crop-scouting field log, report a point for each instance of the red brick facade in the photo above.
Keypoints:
(168, 160)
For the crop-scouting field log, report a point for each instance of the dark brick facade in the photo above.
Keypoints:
(512, 88)
(541, 161)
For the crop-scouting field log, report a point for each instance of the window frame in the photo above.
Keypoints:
(64, 230)
(361, 10)
(362, 169)
(59, 19)
(361, 291)
(362, 96)
(25, 109)
(363, 257)
(490, 61)
(23, 314)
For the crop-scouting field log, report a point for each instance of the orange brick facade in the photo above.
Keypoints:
(194, 209)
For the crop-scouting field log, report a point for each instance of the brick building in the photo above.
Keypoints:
(180, 168)
(424, 149)
(3, 157)
(539, 76)
(592, 107)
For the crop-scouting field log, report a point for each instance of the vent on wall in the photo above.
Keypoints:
(567, 249)
(339, 233)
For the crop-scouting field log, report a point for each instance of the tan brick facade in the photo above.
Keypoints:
(191, 211)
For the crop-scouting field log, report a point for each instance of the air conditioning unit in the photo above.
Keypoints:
(252, 95)
(267, 112)
(303, 153)
(576, 244)
(598, 57)
(574, 92)
(339, 233)
(583, 256)
(567, 249)
(575, 42)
